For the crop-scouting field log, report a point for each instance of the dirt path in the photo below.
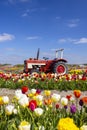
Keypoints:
(10, 92)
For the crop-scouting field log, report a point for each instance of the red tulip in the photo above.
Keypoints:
(84, 78)
(25, 89)
(32, 104)
(57, 106)
(68, 96)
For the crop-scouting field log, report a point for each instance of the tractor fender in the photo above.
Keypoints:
(61, 60)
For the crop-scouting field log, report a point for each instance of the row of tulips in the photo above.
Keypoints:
(44, 81)
(33, 109)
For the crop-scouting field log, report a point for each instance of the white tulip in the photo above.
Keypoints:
(84, 127)
(23, 101)
(27, 127)
(55, 97)
(39, 98)
(38, 111)
(18, 94)
(9, 109)
(24, 126)
(72, 99)
(33, 91)
(5, 99)
(64, 101)
(15, 111)
(80, 76)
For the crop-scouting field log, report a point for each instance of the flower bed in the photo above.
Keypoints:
(33, 109)
(44, 81)
(37, 105)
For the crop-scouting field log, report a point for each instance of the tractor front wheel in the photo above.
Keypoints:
(34, 71)
(60, 68)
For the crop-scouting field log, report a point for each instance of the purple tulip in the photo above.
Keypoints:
(66, 107)
(73, 108)
(81, 102)
(38, 91)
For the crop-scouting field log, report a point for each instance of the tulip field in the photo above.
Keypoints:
(36, 106)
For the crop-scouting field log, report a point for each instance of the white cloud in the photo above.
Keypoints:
(58, 17)
(74, 41)
(62, 40)
(28, 11)
(81, 41)
(67, 40)
(32, 38)
(73, 23)
(25, 14)
(15, 1)
(6, 37)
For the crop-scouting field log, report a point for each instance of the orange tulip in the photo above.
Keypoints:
(84, 99)
(48, 101)
(77, 93)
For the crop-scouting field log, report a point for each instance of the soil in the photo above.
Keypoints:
(7, 92)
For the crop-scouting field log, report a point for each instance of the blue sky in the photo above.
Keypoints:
(26, 25)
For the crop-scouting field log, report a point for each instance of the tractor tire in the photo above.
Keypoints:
(60, 68)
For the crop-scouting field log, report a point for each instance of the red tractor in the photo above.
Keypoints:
(57, 65)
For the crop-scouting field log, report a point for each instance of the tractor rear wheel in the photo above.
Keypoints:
(60, 68)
